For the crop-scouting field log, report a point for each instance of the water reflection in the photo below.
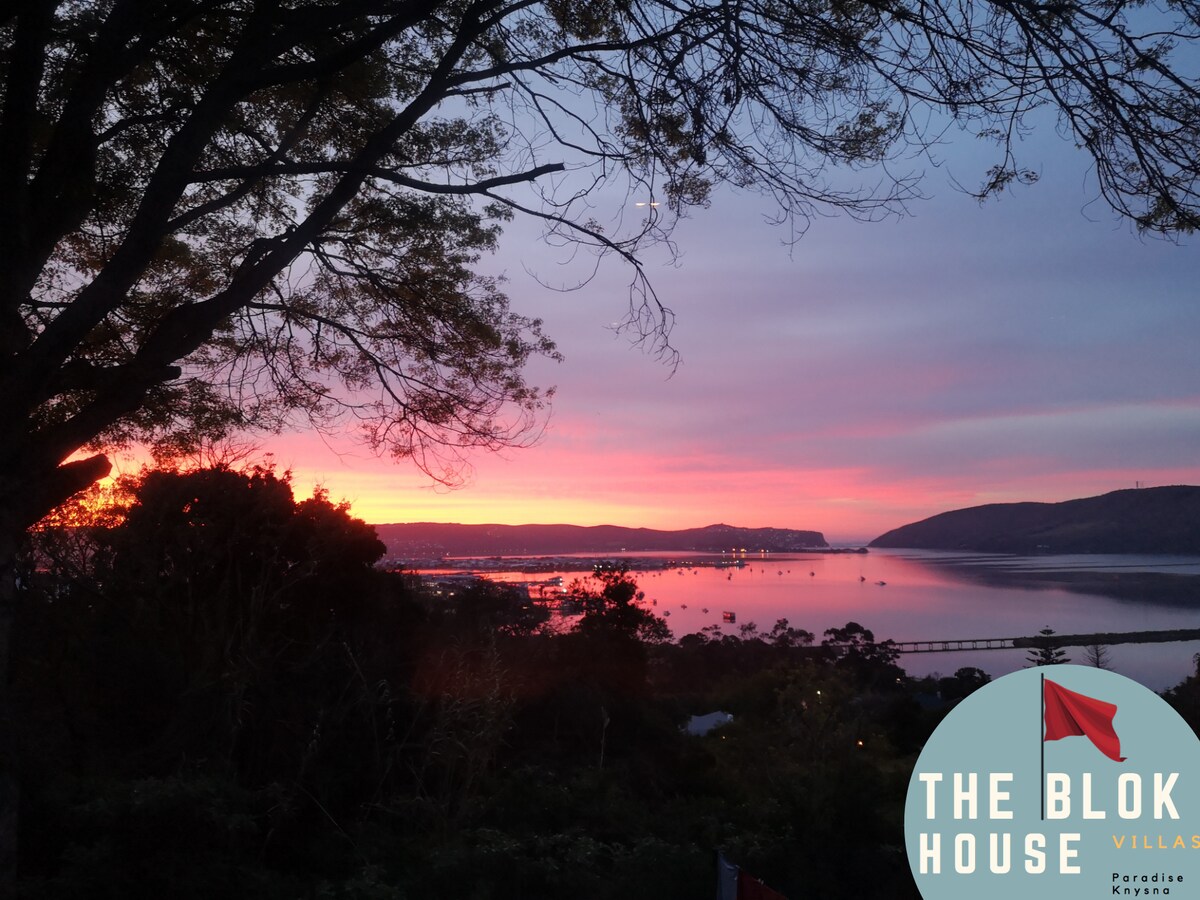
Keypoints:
(907, 596)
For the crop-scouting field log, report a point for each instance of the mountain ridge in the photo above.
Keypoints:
(432, 539)
(1134, 520)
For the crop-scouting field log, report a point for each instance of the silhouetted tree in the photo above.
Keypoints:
(1097, 655)
(616, 610)
(854, 648)
(1046, 652)
(221, 215)
(1185, 696)
(233, 655)
(484, 609)
(784, 635)
(218, 600)
(963, 683)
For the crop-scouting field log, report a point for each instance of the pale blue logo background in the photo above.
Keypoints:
(999, 729)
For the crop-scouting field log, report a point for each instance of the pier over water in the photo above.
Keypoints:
(1049, 640)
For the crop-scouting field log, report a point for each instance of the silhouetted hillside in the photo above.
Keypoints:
(431, 539)
(1148, 520)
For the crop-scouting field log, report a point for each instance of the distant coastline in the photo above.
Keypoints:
(1163, 520)
(429, 540)
(633, 561)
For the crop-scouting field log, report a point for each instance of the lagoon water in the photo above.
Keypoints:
(932, 596)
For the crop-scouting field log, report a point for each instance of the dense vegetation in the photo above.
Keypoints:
(221, 697)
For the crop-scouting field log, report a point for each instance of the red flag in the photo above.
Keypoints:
(1069, 713)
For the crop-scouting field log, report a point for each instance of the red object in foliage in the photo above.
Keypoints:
(1069, 713)
(750, 888)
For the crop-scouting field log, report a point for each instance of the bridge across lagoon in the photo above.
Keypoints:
(1049, 640)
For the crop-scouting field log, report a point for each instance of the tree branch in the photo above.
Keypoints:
(270, 170)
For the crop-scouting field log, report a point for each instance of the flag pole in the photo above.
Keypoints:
(1042, 743)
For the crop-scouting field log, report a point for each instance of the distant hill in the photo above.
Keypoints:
(427, 540)
(1145, 520)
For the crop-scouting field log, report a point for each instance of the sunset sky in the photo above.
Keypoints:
(1033, 348)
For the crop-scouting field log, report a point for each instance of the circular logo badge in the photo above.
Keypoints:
(1059, 782)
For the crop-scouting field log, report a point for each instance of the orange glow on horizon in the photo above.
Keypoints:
(840, 510)
(849, 505)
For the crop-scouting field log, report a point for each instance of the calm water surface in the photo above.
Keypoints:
(927, 596)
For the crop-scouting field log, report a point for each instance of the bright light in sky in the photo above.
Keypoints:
(1033, 348)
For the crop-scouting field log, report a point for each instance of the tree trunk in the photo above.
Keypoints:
(10, 537)
(24, 500)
